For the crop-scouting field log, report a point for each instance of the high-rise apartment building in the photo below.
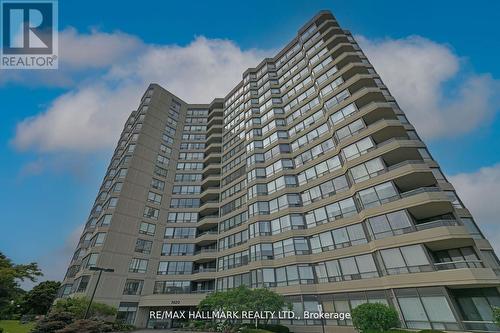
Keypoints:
(306, 178)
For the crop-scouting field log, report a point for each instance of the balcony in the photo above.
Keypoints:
(459, 264)
(436, 224)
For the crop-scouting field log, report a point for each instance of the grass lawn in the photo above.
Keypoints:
(13, 326)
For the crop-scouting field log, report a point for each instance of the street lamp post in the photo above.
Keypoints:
(100, 269)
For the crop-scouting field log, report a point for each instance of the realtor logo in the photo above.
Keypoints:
(29, 34)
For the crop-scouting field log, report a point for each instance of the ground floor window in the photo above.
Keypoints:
(426, 308)
(475, 306)
(127, 312)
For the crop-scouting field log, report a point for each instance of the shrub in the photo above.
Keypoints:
(375, 317)
(86, 326)
(78, 305)
(53, 322)
(1, 330)
(496, 315)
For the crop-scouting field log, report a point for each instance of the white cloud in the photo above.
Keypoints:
(90, 117)
(416, 70)
(81, 56)
(96, 49)
(480, 192)
(86, 119)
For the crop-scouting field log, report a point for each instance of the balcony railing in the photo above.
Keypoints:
(206, 233)
(480, 326)
(436, 223)
(205, 251)
(204, 270)
(458, 264)
(419, 190)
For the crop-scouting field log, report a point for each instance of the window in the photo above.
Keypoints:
(158, 184)
(117, 188)
(455, 201)
(162, 160)
(138, 265)
(350, 129)
(184, 203)
(105, 220)
(175, 267)
(143, 246)
(160, 171)
(392, 224)
(133, 287)
(464, 257)
(166, 150)
(343, 113)
(408, 259)
(154, 198)
(151, 213)
(186, 189)
(426, 308)
(358, 148)
(180, 232)
(112, 202)
(90, 260)
(126, 312)
(98, 239)
(367, 170)
(177, 249)
(326, 189)
(147, 228)
(82, 285)
(471, 227)
(182, 217)
(377, 195)
(188, 177)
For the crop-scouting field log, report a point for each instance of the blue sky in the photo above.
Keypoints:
(51, 167)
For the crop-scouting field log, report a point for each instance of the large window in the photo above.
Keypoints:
(464, 257)
(426, 308)
(377, 195)
(367, 170)
(175, 267)
(169, 249)
(180, 232)
(326, 189)
(407, 259)
(332, 212)
(172, 287)
(392, 224)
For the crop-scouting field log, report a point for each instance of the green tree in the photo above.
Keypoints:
(236, 299)
(244, 299)
(374, 317)
(78, 305)
(266, 300)
(10, 275)
(39, 299)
